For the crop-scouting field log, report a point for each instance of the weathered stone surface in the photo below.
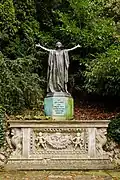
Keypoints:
(108, 178)
(89, 177)
(84, 177)
(56, 164)
(53, 177)
(60, 145)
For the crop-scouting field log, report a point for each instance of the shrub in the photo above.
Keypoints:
(103, 73)
(114, 130)
(20, 86)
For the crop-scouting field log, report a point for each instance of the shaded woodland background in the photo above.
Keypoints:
(94, 71)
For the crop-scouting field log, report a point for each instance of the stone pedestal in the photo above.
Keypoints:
(59, 106)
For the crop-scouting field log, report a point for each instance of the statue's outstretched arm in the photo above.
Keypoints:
(46, 49)
(73, 48)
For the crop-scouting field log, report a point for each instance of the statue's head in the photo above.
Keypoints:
(78, 134)
(40, 134)
(59, 45)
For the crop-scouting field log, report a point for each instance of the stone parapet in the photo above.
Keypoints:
(59, 144)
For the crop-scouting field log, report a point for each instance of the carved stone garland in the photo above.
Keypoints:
(61, 140)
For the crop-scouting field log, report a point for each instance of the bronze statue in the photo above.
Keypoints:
(58, 64)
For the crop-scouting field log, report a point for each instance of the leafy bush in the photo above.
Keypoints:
(103, 73)
(114, 130)
(20, 86)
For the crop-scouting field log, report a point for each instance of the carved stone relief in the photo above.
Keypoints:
(101, 140)
(59, 142)
(16, 142)
(113, 151)
(40, 141)
(44, 145)
(6, 150)
(78, 141)
(12, 145)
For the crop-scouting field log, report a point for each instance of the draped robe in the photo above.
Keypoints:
(57, 74)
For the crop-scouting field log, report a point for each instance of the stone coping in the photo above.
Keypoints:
(58, 94)
(58, 123)
(59, 159)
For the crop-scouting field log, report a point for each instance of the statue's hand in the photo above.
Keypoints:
(79, 45)
(37, 45)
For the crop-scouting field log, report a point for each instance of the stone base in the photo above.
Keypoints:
(59, 164)
(59, 145)
(58, 106)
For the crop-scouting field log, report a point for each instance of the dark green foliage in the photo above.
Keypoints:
(86, 24)
(113, 130)
(2, 118)
(20, 86)
(8, 29)
(94, 68)
(103, 73)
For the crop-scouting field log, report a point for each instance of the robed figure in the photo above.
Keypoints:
(58, 64)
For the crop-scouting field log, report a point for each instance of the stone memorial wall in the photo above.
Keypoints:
(58, 145)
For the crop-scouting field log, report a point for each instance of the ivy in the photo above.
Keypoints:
(2, 118)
